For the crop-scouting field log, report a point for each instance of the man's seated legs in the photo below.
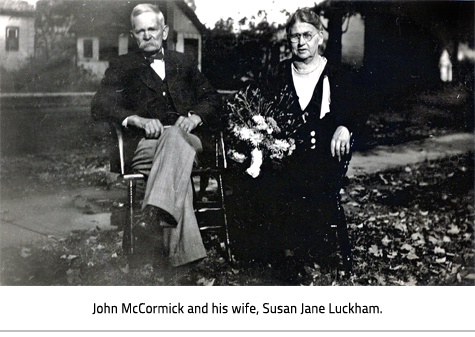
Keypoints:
(168, 162)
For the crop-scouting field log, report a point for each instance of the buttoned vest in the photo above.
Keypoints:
(162, 106)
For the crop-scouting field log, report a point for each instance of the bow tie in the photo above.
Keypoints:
(151, 58)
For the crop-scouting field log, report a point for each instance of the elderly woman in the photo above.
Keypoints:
(314, 173)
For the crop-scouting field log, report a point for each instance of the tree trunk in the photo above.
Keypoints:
(333, 49)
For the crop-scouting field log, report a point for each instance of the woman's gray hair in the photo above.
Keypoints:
(305, 15)
(147, 8)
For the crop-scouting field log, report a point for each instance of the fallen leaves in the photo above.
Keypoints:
(470, 277)
(392, 254)
(206, 282)
(454, 230)
(125, 269)
(412, 281)
(25, 252)
(441, 260)
(415, 237)
(68, 257)
(411, 228)
(400, 226)
(374, 249)
(386, 241)
(73, 276)
(412, 255)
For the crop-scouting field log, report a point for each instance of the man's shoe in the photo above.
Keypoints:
(151, 222)
(166, 220)
(147, 225)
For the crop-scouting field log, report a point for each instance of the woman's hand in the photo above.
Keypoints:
(340, 144)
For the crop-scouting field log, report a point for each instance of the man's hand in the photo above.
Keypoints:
(340, 144)
(153, 127)
(188, 123)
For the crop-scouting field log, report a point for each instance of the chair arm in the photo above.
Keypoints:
(347, 159)
(120, 140)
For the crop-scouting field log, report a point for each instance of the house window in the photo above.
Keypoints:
(12, 39)
(88, 48)
(191, 48)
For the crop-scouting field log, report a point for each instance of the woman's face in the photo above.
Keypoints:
(298, 36)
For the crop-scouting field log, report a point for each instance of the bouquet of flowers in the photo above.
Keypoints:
(260, 128)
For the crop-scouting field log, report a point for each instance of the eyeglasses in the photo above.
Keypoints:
(296, 37)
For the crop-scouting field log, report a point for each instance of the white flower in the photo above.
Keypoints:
(258, 122)
(280, 147)
(292, 146)
(256, 161)
(256, 138)
(236, 156)
(281, 144)
(245, 133)
(258, 119)
(272, 125)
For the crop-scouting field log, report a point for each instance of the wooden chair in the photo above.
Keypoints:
(201, 207)
(341, 225)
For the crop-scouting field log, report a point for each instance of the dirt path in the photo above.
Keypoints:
(385, 157)
(35, 217)
(38, 216)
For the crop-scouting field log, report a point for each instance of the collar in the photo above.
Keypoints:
(159, 56)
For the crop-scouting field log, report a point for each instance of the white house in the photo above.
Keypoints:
(103, 31)
(17, 33)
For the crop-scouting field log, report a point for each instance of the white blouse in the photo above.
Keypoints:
(305, 86)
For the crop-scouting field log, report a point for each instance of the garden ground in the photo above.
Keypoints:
(411, 223)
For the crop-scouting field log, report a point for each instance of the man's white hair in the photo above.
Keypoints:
(147, 8)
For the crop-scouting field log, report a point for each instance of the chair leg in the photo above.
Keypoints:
(195, 196)
(225, 219)
(204, 182)
(224, 229)
(345, 248)
(128, 241)
(344, 240)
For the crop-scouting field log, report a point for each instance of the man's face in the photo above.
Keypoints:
(148, 32)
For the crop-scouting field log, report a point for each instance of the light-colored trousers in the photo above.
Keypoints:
(168, 161)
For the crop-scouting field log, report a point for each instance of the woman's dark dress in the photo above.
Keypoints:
(309, 183)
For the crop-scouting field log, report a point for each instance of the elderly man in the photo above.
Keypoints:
(159, 97)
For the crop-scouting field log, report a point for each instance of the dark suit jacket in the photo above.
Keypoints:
(129, 88)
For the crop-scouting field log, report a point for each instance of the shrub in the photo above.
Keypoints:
(56, 76)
